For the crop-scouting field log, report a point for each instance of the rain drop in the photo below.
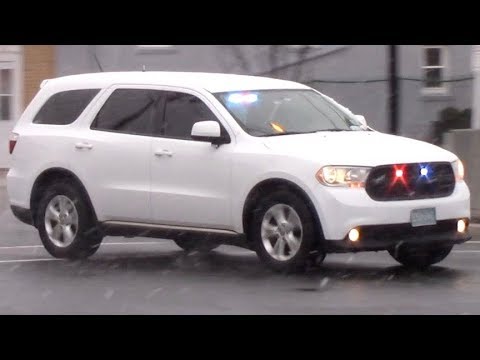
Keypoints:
(324, 282)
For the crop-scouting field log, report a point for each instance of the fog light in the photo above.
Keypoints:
(354, 235)
(461, 226)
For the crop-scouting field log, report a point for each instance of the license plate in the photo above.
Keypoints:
(423, 217)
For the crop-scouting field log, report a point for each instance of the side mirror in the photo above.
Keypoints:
(208, 131)
(361, 119)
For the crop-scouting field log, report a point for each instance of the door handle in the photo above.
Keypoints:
(163, 153)
(83, 145)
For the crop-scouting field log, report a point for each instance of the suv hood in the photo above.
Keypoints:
(364, 148)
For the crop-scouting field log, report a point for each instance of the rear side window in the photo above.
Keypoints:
(128, 111)
(65, 107)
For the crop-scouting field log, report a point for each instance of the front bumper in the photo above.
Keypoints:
(342, 209)
(384, 237)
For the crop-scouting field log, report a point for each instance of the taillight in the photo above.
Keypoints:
(12, 141)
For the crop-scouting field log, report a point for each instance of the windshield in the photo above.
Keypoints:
(283, 112)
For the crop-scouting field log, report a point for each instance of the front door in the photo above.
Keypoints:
(190, 180)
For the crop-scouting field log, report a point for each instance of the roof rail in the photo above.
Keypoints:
(44, 82)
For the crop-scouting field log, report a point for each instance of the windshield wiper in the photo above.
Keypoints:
(333, 130)
(303, 132)
(289, 133)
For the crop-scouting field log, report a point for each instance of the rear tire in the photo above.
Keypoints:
(66, 224)
(282, 232)
(419, 257)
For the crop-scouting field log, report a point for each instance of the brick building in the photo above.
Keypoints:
(22, 69)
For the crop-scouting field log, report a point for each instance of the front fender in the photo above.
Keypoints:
(245, 191)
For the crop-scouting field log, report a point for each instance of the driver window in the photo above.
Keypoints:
(181, 112)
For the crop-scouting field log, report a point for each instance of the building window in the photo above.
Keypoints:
(434, 66)
(6, 94)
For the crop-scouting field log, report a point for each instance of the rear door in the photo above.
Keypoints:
(112, 153)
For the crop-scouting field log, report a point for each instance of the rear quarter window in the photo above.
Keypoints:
(65, 107)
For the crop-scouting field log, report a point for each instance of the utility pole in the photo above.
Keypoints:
(393, 87)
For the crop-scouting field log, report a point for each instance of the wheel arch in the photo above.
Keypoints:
(273, 184)
(46, 177)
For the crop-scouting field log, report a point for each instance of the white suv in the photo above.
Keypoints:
(210, 159)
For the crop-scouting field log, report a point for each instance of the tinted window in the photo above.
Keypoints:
(181, 112)
(129, 111)
(65, 107)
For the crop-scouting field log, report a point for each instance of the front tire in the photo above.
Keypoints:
(420, 257)
(282, 231)
(66, 224)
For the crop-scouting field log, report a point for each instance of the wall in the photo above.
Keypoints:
(39, 64)
(32, 64)
(240, 59)
(11, 57)
(75, 59)
(417, 110)
(369, 62)
(330, 62)
(351, 62)
(466, 145)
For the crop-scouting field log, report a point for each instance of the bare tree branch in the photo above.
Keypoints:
(273, 56)
(302, 54)
(225, 59)
(241, 58)
(93, 51)
(264, 59)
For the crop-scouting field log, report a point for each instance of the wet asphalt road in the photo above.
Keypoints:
(148, 276)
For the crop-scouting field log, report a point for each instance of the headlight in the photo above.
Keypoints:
(459, 170)
(343, 176)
